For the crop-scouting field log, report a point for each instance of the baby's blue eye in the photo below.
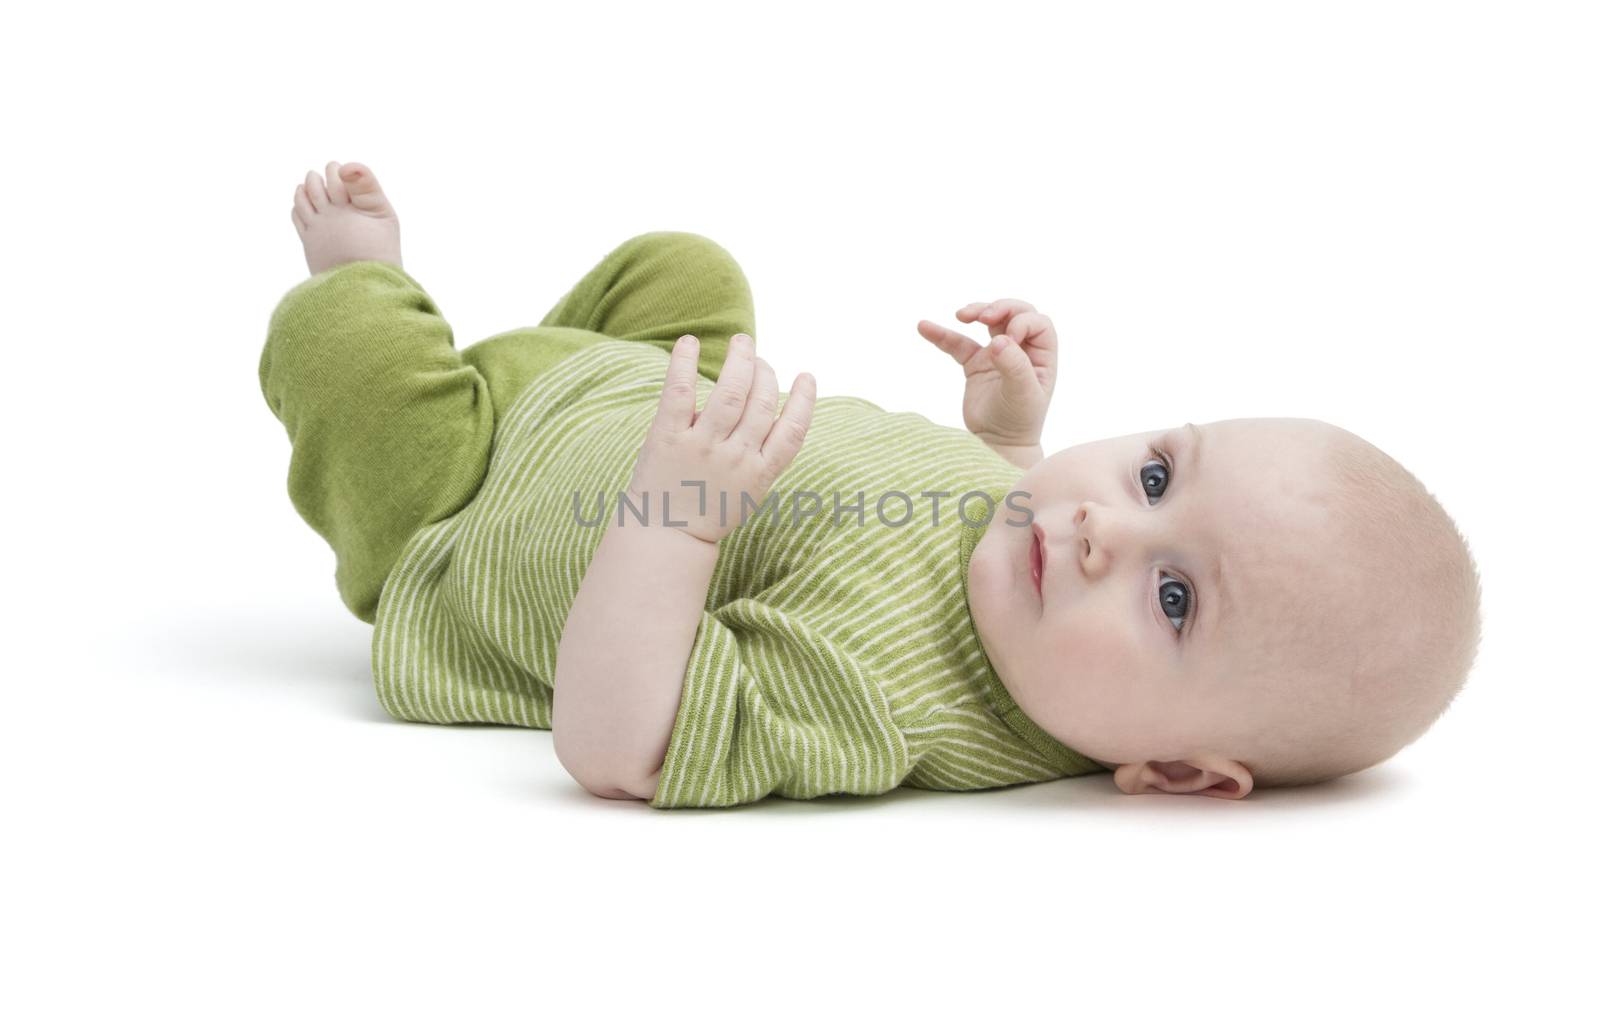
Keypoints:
(1154, 476)
(1174, 600)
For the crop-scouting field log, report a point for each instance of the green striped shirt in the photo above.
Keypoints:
(835, 652)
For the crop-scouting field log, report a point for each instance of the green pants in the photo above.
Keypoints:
(391, 426)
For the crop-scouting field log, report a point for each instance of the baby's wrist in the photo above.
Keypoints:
(1024, 455)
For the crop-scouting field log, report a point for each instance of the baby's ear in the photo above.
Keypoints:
(1213, 776)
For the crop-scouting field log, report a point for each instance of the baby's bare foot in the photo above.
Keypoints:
(345, 218)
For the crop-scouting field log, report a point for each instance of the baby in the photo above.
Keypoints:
(613, 525)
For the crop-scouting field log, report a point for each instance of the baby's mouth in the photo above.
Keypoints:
(1036, 559)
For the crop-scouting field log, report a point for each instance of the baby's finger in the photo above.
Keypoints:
(726, 404)
(948, 340)
(1016, 371)
(1000, 311)
(337, 193)
(676, 411)
(316, 191)
(760, 407)
(789, 433)
(1031, 326)
(970, 313)
(302, 203)
(1036, 335)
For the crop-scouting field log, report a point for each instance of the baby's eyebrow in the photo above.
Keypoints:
(1194, 443)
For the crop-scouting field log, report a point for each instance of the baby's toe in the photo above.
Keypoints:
(337, 194)
(316, 190)
(363, 188)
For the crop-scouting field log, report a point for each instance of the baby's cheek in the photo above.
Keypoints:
(1096, 668)
(984, 578)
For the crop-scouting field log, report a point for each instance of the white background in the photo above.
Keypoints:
(1383, 215)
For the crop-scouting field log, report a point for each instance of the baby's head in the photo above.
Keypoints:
(1244, 603)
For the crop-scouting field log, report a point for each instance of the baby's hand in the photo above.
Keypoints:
(698, 461)
(1010, 381)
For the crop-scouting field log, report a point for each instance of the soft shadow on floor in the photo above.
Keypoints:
(329, 662)
(1093, 794)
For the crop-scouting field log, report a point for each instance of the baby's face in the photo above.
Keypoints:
(1168, 558)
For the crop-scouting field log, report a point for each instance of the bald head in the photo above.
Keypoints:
(1385, 624)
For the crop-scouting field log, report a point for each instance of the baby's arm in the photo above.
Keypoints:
(619, 671)
(627, 639)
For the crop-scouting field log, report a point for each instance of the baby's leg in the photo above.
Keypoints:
(390, 429)
(657, 286)
(654, 287)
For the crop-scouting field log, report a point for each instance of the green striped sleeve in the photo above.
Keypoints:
(768, 709)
